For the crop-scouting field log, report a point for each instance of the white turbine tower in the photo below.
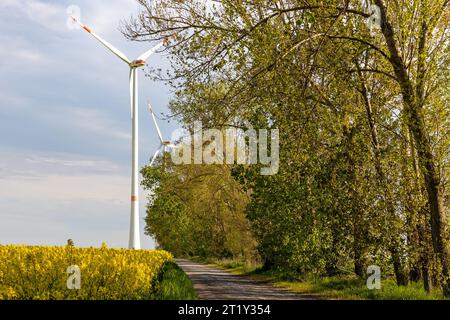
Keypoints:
(163, 143)
(134, 240)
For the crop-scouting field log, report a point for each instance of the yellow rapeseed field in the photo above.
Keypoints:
(39, 272)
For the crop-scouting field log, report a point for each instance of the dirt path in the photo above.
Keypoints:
(215, 284)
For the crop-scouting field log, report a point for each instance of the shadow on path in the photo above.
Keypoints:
(215, 284)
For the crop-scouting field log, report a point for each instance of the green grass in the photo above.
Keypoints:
(230, 265)
(351, 287)
(340, 287)
(174, 284)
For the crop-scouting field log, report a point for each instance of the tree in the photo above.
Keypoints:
(198, 210)
(357, 110)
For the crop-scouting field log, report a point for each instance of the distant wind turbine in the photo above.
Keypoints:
(134, 240)
(163, 143)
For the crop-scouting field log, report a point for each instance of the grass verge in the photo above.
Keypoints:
(339, 287)
(174, 284)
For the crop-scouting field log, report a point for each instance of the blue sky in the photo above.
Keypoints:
(65, 125)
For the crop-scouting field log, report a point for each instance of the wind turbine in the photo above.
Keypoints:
(134, 240)
(163, 143)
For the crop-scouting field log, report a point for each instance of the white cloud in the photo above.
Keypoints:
(48, 198)
(11, 102)
(95, 121)
(91, 120)
(10, 4)
(20, 53)
(68, 188)
(20, 164)
(54, 16)
(97, 164)
(49, 15)
(104, 12)
(46, 14)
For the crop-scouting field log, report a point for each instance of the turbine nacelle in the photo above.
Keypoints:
(137, 63)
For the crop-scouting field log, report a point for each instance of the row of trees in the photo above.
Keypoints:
(198, 210)
(363, 116)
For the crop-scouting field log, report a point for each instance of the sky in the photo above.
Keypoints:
(65, 127)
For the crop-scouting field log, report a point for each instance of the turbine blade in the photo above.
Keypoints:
(156, 124)
(108, 45)
(148, 53)
(155, 155)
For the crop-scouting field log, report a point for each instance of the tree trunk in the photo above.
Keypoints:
(427, 285)
(401, 275)
(359, 247)
(413, 111)
(395, 242)
(415, 273)
(422, 226)
(425, 254)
